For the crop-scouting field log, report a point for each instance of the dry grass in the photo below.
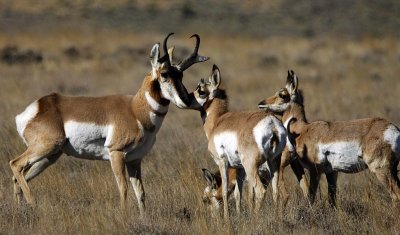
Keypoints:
(341, 78)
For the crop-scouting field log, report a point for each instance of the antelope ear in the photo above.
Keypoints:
(155, 55)
(208, 176)
(295, 81)
(291, 82)
(215, 78)
(170, 53)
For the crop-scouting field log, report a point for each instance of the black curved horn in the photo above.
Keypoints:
(196, 48)
(192, 58)
(165, 58)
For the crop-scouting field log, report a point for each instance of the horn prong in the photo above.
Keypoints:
(194, 57)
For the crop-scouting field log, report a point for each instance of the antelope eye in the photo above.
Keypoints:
(283, 95)
(164, 74)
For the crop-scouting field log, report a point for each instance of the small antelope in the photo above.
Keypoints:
(119, 128)
(212, 194)
(343, 146)
(238, 139)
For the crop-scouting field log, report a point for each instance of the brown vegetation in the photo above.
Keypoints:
(342, 78)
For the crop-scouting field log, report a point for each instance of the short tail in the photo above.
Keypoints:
(277, 140)
(395, 144)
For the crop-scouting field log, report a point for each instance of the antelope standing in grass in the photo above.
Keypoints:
(239, 139)
(119, 128)
(343, 146)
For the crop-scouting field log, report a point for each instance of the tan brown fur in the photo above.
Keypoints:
(265, 177)
(126, 124)
(376, 152)
(213, 104)
(216, 185)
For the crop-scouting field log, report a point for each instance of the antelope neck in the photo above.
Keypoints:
(295, 111)
(213, 110)
(148, 102)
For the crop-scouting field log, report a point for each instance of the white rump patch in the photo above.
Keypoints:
(263, 134)
(345, 156)
(87, 140)
(155, 105)
(25, 117)
(226, 144)
(392, 136)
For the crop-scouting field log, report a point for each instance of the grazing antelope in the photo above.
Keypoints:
(212, 194)
(238, 139)
(119, 128)
(342, 146)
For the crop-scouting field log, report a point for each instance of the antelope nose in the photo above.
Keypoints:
(205, 200)
(262, 102)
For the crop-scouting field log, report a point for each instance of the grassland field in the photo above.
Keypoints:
(343, 77)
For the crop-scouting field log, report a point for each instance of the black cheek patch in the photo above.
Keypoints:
(182, 92)
(156, 89)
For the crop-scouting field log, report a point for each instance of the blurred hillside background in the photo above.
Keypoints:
(228, 17)
(345, 52)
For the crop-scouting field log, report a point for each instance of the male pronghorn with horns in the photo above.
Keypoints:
(343, 146)
(119, 128)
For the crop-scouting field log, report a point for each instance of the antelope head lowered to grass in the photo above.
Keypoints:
(119, 128)
(212, 194)
(343, 146)
(238, 139)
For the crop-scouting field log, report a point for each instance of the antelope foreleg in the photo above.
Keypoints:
(239, 188)
(314, 182)
(301, 177)
(332, 179)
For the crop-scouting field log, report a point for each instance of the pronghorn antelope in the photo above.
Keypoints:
(238, 139)
(212, 194)
(117, 128)
(343, 146)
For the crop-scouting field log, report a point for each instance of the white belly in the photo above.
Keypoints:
(345, 156)
(86, 140)
(226, 144)
(90, 141)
